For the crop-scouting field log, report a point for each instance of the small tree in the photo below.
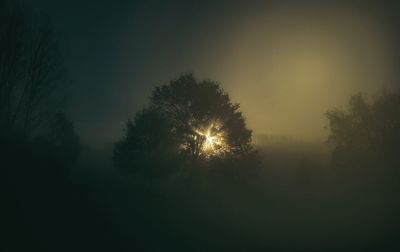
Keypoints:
(186, 120)
(366, 134)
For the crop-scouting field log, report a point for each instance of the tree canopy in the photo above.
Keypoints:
(366, 132)
(185, 119)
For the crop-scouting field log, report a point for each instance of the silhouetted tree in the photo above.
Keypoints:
(186, 121)
(38, 144)
(30, 70)
(366, 134)
(32, 128)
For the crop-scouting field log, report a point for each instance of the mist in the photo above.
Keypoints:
(286, 64)
(200, 126)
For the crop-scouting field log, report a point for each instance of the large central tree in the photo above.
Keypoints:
(185, 119)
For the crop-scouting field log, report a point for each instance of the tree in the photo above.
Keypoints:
(30, 70)
(186, 120)
(366, 134)
(32, 126)
(38, 144)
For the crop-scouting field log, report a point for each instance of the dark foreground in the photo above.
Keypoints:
(300, 207)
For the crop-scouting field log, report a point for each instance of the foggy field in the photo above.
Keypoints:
(204, 126)
(297, 198)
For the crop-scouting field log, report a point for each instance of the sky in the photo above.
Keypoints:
(285, 62)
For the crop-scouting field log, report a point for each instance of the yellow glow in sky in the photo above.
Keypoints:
(288, 66)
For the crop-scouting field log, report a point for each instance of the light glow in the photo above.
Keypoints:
(212, 140)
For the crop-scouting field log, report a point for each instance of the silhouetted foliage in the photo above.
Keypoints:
(174, 129)
(366, 134)
(38, 144)
(30, 70)
(36, 138)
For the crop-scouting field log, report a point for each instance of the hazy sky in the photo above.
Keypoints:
(285, 62)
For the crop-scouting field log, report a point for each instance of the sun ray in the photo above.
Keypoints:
(213, 142)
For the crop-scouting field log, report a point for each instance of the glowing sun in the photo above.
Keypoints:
(212, 140)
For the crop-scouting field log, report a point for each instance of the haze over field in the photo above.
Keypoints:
(200, 125)
(285, 62)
